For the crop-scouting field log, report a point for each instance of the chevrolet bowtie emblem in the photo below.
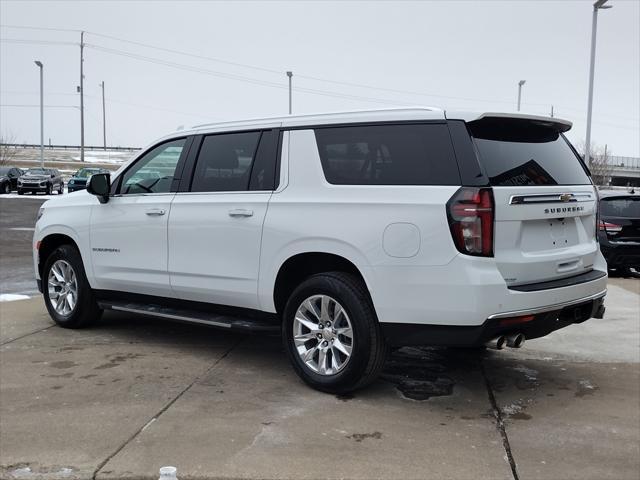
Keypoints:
(566, 197)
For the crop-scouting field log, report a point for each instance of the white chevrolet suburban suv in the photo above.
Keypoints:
(347, 233)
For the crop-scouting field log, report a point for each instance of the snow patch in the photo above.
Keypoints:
(11, 297)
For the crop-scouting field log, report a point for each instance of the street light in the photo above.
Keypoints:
(600, 4)
(290, 74)
(40, 66)
(520, 84)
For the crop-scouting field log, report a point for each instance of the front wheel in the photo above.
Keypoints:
(331, 333)
(67, 293)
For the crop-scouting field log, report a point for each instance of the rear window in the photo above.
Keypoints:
(522, 152)
(620, 207)
(415, 154)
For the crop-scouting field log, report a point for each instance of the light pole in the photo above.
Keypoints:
(594, 26)
(104, 119)
(40, 66)
(520, 84)
(290, 74)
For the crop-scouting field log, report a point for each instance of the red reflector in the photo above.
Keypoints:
(516, 320)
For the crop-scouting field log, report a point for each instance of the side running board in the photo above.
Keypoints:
(247, 325)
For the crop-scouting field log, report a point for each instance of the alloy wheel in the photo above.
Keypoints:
(323, 335)
(62, 287)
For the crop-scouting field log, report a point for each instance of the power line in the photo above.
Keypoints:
(263, 69)
(28, 27)
(255, 81)
(23, 41)
(35, 106)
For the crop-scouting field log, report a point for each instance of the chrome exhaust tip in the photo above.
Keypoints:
(516, 340)
(497, 343)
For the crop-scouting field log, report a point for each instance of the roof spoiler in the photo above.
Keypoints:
(558, 124)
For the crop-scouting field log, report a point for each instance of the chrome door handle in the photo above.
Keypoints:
(155, 212)
(240, 212)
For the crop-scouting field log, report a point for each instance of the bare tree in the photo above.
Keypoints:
(599, 162)
(7, 151)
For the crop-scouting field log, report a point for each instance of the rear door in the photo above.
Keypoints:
(215, 226)
(545, 203)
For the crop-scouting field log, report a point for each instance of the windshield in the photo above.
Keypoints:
(620, 207)
(37, 171)
(86, 172)
(520, 152)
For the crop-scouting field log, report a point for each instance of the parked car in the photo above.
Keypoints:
(44, 180)
(9, 179)
(619, 230)
(79, 179)
(344, 233)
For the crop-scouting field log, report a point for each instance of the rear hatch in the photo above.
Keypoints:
(545, 203)
(620, 218)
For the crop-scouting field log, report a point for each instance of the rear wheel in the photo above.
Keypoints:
(6, 188)
(67, 293)
(331, 333)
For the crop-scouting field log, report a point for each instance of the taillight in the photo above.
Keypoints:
(610, 227)
(471, 213)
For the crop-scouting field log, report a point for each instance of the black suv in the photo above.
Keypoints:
(9, 179)
(619, 230)
(44, 180)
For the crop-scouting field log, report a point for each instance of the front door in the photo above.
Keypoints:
(129, 232)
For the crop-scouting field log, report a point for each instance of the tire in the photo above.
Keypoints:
(20, 192)
(85, 310)
(368, 349)
(49, 189)
(61, 189)
(6, 188)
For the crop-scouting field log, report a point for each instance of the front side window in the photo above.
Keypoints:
(224, 162)
(409, 154)
(154, 172)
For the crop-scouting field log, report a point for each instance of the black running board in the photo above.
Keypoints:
(247, 325)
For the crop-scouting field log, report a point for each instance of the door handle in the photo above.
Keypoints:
(155, 212)
(240, 212)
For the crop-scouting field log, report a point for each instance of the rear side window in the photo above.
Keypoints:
(620, 207)
(522, 152)
(412, 154)
(224, 162)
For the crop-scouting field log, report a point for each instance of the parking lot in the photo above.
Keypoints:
(132, 394)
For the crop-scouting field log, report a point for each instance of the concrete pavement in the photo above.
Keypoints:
(132, 394)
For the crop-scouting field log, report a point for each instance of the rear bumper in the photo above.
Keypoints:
(539, 322)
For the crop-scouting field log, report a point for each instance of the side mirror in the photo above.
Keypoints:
(100, 186)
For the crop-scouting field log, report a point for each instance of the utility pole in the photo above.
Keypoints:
(81, 96)
(40, 66)
(594, 26)
(290, 74)
(104, 119)
(520, 84)
(551, 111)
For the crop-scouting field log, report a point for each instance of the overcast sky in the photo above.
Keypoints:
(452, 54)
